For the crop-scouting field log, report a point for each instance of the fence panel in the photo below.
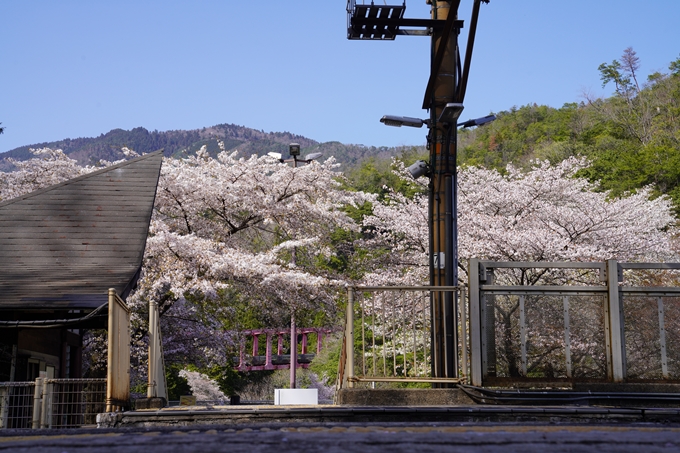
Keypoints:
(549, 337)
(74, 402)
(568, 322)
(16, 404)
(56, 403)
(391, 331)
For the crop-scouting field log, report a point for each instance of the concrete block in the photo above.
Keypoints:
(150, 403)
(402, 397)
(284, 397)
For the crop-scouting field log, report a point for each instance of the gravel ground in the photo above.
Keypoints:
(330, 438)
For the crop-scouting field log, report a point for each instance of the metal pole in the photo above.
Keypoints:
(617, 339)
(464, 333)
(476, 344)
(293, 349)
(442, 195)
(112, 348)
(293, 330)
(451, 353)
(349, 338)
(151, 379)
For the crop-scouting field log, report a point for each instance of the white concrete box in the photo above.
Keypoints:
(284, 397)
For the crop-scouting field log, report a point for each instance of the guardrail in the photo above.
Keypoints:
(388, 336)
(51, 403)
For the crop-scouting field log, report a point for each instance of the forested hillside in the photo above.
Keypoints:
(632, 138)
(183, 143)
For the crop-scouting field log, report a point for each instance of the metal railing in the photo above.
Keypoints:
(574, 322)
(16, 404)
(388, 336)
(267, 357)
(51, 403)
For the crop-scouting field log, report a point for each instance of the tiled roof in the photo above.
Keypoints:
(64, 246)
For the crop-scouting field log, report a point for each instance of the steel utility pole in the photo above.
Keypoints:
(443, 237)
(444, 99)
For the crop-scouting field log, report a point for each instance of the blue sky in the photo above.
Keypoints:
(73, 69)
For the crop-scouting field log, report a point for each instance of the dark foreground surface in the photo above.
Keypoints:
(343, 437)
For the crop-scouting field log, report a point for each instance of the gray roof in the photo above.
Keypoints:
(64, 246)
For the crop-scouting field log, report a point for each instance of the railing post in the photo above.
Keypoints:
(4, 403)
(615, 320)
(241, 352)
(662, 338)
(349, 338)
(475, 323)
(319, 340)
(304, 342)
(256, 345)
(37, 403)
(268, 354)
(46, 412)
(464, 334)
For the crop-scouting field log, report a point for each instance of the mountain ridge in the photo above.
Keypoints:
(181, 143)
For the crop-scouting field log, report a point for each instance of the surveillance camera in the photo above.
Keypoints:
(418, 169)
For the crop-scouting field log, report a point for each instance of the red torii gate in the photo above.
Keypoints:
(278, 361)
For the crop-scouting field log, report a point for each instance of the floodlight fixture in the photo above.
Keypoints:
(398, 121)
(294, 149)
(450, 113)
(477, 121)
(418, 169)
(313, 156)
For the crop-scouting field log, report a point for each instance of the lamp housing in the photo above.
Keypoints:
(418, 169)
(313, 156)
(398, 121)
(478, 121)
(450, 113)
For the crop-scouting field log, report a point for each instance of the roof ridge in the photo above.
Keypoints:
(79, 178)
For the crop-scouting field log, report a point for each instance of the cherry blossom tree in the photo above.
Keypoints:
(49, 166)
(545, 214)
(202, 387)
(253, 231)
(234, 227)
(223, 228)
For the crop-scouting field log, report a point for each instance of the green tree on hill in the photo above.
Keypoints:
(632, 138)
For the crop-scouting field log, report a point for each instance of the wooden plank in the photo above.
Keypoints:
(45, 236)
(132, 190)
(83, 206)
(90, 223)
(18, 246)
(121, 249)
(99, 257)
(122, 216)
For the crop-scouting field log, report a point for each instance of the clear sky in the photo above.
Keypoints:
(73, 69)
